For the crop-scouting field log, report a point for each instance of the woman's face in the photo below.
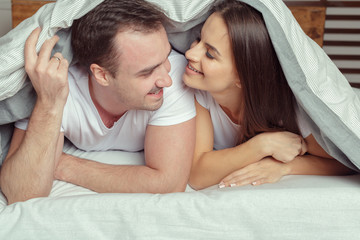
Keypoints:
(211, 64)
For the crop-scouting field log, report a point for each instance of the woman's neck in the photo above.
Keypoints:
(229, 101)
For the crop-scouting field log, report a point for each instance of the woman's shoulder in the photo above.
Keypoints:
(204, 98)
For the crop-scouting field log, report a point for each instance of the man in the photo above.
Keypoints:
(118, 96)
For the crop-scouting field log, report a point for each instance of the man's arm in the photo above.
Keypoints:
(28, 169)
(168, 156)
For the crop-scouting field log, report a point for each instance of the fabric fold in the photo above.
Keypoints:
(318, 85)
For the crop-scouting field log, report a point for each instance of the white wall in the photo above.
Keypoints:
(5, 16)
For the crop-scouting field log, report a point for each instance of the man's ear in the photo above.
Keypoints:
(100, 74)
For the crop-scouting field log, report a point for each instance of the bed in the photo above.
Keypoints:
(297, 207)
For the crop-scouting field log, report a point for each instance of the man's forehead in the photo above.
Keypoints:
(140, 50)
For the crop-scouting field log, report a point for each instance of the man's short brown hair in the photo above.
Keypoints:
(93, 34)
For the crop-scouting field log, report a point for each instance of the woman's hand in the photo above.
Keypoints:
(267, 170)
(283, 146)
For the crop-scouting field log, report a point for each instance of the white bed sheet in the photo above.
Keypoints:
(297, 207)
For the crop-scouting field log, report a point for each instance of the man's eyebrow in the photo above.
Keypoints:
(213, 48)
(150, 69)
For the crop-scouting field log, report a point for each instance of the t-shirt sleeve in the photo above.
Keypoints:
(202, 97)
(22, 124)
(178, 105)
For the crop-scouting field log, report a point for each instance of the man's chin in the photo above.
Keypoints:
(154, 106)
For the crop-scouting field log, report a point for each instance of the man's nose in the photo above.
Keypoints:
(164, 79)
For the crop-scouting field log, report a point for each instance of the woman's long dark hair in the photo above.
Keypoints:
(267, 100)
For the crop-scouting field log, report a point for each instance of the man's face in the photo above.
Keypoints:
(143, 70)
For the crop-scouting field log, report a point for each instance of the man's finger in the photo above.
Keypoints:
(30, 47)
(64, 65)
(54, 64)
(46, 48)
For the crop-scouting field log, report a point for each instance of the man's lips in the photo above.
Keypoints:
(156, 93)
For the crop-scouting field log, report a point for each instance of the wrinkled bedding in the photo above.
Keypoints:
(321, 90)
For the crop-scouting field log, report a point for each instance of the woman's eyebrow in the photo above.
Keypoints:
(209, 45)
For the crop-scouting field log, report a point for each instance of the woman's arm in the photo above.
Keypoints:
(210, 166)
(317, 162)
(269, 170)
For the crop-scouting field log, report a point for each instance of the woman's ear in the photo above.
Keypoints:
(100, 75)
(237, 83)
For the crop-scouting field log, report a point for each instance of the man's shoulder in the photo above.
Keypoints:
(178, 63)
(177, 57)
(77, 77)
(75, 71)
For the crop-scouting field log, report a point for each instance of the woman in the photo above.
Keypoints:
(245, 109)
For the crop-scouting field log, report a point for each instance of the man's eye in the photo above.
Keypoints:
(145, 75)
(209, 55)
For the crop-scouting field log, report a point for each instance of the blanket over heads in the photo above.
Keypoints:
(324, 94)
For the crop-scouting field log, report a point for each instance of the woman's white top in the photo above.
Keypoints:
(225, 131)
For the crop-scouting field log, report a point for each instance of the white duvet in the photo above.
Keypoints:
(297, 207)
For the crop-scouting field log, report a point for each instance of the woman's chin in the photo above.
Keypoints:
(192, 82)
(187, 80)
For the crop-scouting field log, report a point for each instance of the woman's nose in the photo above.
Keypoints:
(194, 53)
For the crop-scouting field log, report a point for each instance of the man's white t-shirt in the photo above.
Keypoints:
(225, 131)
(83, 126)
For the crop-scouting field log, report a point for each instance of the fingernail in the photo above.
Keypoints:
(221, 185)
(232, 185)
(253, 183)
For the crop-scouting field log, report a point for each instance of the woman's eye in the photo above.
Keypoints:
(209, 55)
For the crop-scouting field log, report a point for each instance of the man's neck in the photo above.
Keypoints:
(107, 117)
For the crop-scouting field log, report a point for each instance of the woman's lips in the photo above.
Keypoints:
(192, 69)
